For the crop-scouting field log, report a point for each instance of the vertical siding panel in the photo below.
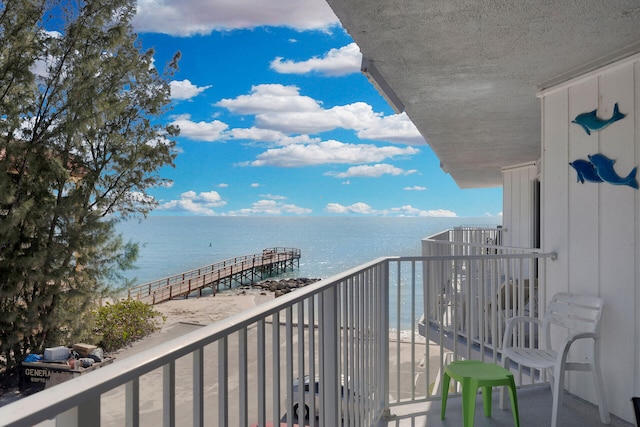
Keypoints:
(635, 113)
(525, 208)
(507, 213)
(617, 252)
(518, 205)
(583, 198)
(583, 208)
(515, 208)
(555, 175)
(516, 213)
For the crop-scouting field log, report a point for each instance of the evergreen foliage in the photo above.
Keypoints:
(79, 148)
(124, 322)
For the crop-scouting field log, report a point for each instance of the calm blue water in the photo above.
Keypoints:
(329, 245)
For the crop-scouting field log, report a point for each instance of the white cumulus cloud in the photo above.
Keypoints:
(184, 89)
(397, 127)
(189, 17)
(282, 108)
(270, 207)
(362, 208)
(356, 208)
(409, 210)
(336, 62)
(255, 134)
(273, 197)
(371, 171)
(328, 152)
(415, 188)
(356, 116)
(194, 203)
(200, 131)
(270, 98)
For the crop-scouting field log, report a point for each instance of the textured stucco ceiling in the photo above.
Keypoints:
(467, 71)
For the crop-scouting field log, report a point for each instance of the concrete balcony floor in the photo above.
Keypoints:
(534, 403)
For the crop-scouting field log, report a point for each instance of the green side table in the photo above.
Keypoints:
(473, 374)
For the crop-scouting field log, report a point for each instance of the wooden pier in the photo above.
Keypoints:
(223, 274)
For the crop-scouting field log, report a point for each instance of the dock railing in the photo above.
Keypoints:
(212, 275)
(355, 334)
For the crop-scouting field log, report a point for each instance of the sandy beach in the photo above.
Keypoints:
(190, 313)
(182, 316)
(208, 309)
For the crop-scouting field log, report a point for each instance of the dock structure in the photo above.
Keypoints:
(221, 275)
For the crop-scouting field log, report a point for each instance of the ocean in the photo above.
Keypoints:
(329, 245)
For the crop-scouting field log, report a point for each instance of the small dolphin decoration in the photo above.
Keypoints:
(604, 168)
(591, 122)
(586, 171)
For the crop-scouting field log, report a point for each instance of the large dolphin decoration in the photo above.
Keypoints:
(604, 168)
(591, 122)
(586, 171)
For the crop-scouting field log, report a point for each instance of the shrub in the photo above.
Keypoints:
(124, 322)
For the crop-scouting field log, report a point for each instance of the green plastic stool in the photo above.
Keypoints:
(473, 374)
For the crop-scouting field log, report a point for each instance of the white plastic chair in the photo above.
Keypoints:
(579, 316)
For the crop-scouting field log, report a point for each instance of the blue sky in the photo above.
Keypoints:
(277, 119)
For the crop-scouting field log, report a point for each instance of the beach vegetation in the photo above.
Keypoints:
(124, 322)
(80, 146)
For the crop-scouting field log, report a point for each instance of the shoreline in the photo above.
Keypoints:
(211, 308)
(208, 309)
(198, 311)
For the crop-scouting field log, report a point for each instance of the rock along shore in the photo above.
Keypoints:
(283, 286)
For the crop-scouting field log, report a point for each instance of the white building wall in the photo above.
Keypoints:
(595, 227)
(518, 211)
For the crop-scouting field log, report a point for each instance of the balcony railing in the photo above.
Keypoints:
(355, 337)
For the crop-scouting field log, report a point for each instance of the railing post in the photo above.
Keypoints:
(329, 383)
(169, 394)
(275, 350)
(132, 403)
(223, 382)
(383, 339)
(262, 376)
(85, 414)
(243, 374)
(198, 387)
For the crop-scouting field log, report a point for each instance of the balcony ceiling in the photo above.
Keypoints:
(467, 71)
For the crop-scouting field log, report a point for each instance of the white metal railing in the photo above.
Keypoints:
(358, 333)
(472, 288)
(242, 369)
(469, 298)
(463, 241)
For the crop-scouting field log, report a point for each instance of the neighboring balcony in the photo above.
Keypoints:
(349, 350)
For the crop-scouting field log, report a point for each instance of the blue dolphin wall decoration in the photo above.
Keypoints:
(586, 171)
(590, 121)
(604, 168)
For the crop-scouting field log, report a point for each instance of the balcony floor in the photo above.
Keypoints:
(534, 404)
